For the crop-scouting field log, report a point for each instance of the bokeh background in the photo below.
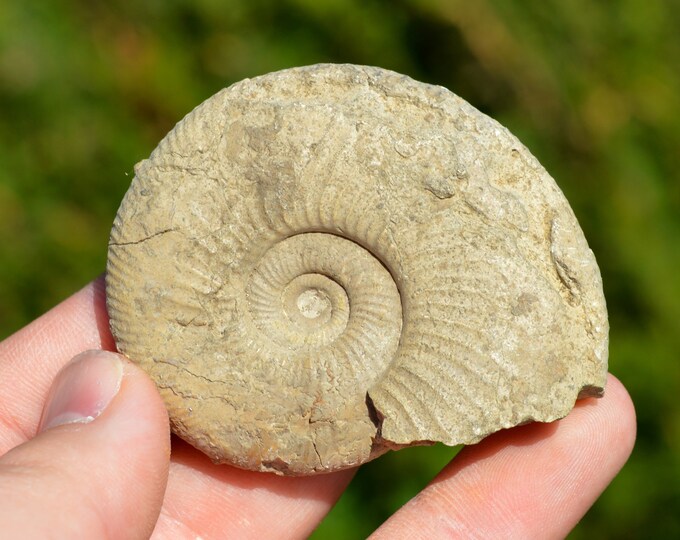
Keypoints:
(87, 89)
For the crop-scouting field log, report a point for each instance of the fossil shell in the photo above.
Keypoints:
(323, 263)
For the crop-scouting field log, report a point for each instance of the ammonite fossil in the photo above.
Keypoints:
(324, 263)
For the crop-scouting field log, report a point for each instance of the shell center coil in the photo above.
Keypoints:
(316, 308)
(317, 290)
(312, 303)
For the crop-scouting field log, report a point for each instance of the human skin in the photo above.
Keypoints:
(119, 474)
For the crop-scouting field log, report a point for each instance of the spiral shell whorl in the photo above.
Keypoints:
(328, 262)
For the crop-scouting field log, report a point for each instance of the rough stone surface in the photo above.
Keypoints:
(324, 263)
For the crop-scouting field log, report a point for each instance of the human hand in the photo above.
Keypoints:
(100, 464)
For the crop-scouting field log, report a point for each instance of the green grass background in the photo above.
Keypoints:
(87, 89)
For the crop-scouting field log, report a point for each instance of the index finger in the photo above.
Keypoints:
(534, 481)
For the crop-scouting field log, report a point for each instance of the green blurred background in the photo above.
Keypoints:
(87, 89)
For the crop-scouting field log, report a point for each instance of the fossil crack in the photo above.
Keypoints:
(142, 240)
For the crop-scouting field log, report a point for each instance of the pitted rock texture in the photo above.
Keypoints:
(324, 263)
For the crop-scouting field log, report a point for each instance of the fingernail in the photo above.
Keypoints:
(82, 389)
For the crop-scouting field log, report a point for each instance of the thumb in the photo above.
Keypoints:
(99, 464)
